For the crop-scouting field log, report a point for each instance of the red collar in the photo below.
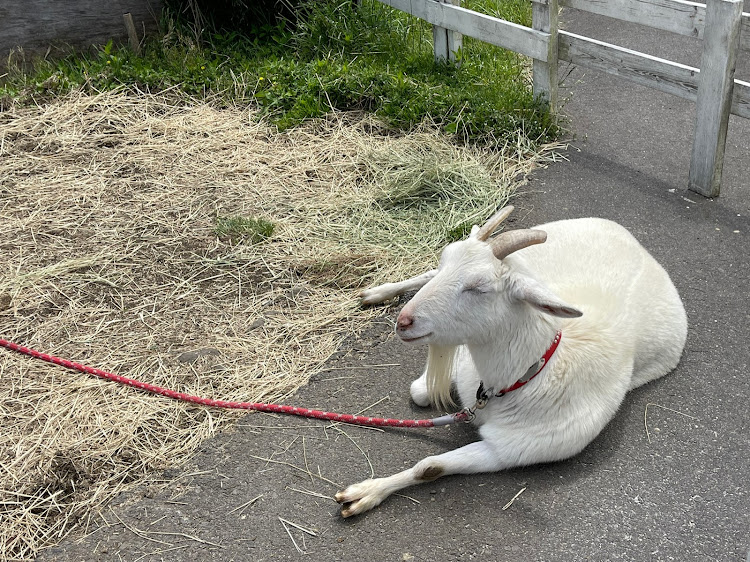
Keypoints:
(484, 394)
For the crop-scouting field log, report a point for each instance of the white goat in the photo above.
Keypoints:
(488, 314)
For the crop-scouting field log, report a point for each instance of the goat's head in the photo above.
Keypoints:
(474, 291)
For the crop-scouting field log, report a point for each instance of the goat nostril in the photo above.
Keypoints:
(404, 322)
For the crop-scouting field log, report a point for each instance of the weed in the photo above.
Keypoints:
(243, 229)
(458, 232)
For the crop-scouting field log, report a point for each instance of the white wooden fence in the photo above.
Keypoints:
(721, 24)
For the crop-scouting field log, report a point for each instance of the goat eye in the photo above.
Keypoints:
(477, 287)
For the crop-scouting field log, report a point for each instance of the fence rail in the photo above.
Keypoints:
(676, 16)
(660, 74)
(721, 24)
(505, 34)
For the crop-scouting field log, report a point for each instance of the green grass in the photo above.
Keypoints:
(243, 229)
(339, 56)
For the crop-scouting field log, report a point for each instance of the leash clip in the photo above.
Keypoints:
(483, 396)
(465, 415)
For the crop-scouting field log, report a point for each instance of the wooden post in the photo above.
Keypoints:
(545, 18)
(716, 80)
(135, 44)
(446, 42)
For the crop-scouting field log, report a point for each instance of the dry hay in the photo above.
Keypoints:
(109, 256)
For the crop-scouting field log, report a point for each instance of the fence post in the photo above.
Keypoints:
(133, 41)
(446, 42)
(715, 82)
(545, 18)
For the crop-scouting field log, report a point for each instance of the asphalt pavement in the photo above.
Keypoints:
(668, 478)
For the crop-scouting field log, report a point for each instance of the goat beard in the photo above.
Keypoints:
(440, 366)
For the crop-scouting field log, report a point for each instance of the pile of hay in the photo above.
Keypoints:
(130, 241)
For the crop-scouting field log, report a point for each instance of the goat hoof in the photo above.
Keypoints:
(358, 498)
(374, 295)
(366, 298)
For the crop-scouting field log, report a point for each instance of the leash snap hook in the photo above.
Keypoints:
(466, 415)
(483, 396)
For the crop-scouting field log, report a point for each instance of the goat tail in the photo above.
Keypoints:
(440, 367)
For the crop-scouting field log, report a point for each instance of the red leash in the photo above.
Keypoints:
(257, 406)
(465, 415)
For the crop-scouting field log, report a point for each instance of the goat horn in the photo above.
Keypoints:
(490, 226)
(513, 240)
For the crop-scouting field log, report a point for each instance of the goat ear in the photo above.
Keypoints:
(539, 296)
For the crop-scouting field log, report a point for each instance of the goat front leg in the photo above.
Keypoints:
(387, 291)
(470, 459)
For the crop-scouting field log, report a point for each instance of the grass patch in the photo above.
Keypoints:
(243, 229)
(339, 56)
